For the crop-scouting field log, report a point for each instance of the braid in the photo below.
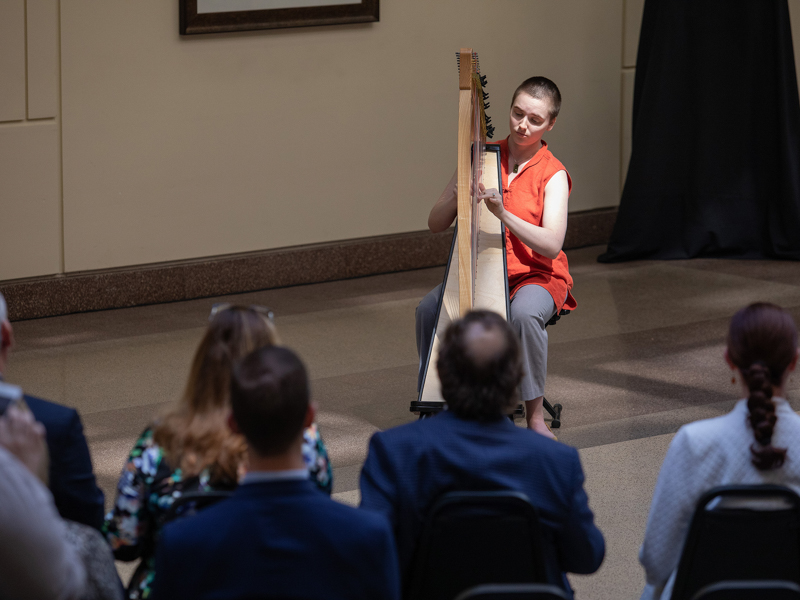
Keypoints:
(762, 416)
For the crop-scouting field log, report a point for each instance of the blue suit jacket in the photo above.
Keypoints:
(281, 539)
(72, 480)
(409, 467)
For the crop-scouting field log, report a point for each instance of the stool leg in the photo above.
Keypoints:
(554, 412)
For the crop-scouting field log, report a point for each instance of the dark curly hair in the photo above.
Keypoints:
(762, 343)
(480, 367)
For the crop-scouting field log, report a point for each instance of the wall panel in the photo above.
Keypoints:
(178, 148)
(12, 60)
(30, 208)
(633, 24)
(42, 27)
(628, 77)
(794, 13)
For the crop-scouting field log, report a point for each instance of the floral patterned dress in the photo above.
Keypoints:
(147, 488)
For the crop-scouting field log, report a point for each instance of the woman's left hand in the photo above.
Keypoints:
(493, 200)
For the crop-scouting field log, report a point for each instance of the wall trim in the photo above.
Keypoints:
(231, 274)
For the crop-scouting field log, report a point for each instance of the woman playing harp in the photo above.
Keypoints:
(533, 208)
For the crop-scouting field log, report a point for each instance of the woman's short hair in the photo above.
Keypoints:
(762, 343)
(541, 88)
(480, 366)
(194, 433)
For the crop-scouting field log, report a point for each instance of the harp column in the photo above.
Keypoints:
(465, 203)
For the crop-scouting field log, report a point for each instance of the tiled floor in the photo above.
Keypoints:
(641, 356)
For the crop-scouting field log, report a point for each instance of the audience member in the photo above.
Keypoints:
(191, 448)
(757, 442)
(36, 561)
(277, 536)
(473, 446)
(71, 479)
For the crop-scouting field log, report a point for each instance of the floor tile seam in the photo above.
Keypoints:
(691, 264)
(666, 422)
(142, 338)
(595, 373)
(620, 336)
(162, 404)
(376, 307)
(602, 269)
(201, 327)
(408, 294)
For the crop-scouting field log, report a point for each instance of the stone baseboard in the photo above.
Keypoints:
(200, 278)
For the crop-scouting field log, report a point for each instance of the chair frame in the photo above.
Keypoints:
(521, 591)
(679, 590)
(753, 584)
(497, 498)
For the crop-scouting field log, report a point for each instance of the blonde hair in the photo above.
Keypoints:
(194, 433)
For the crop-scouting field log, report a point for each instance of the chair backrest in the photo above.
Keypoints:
(750, 590)
(471, 538)
(514, 591)
(741, 533)
(192, 502)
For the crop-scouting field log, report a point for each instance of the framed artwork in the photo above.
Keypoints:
(217, 16)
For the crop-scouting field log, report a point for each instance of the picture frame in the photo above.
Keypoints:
(219, 16)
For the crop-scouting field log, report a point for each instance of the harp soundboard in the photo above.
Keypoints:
(476, 276)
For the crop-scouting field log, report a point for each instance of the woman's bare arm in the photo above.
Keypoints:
(445, 210)
(548, 238)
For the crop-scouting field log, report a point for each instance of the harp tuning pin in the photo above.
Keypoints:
(486, 106)
(483, 79)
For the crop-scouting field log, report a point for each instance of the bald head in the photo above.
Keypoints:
(484, 343)
(479, 366)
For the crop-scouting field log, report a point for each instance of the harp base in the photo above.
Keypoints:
(429, 409)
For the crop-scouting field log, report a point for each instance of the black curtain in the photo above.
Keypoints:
(715, 164)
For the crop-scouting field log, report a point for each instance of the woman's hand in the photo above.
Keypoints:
(493, 200)
(545, 239)
(24, 437)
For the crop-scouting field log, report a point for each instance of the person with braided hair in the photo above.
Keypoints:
(758, 442)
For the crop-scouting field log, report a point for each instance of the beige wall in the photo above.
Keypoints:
(122, 143)
(30, 158)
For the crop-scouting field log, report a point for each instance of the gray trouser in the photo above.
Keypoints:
(531, 308)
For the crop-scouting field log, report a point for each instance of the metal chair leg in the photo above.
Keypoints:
(554, 411)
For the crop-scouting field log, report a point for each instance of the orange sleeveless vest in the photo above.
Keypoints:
(525, 199)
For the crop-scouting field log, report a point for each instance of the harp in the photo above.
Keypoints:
(476, 275)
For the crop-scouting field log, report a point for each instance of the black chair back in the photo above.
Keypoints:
(741, 533)
(514, 591)
(750, 590)
(471, 538)
(188, 504)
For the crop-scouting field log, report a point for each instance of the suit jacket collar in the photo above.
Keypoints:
(499, 424)
(275, 489)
